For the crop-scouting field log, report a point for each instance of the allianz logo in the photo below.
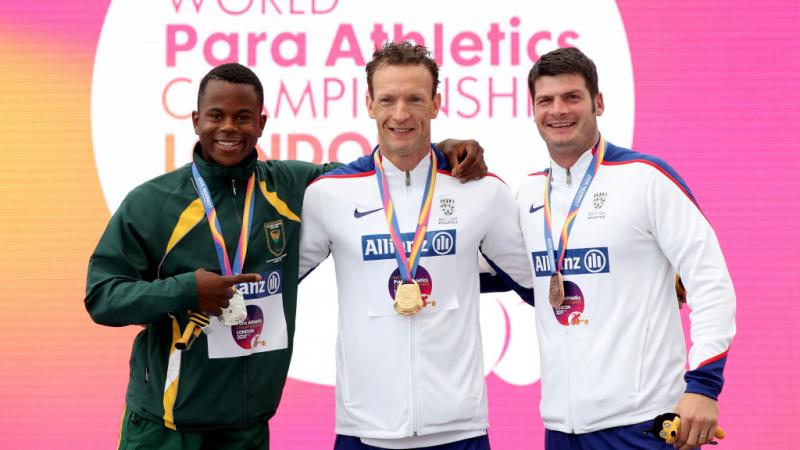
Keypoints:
(270, 284)
(579, 261)
(381, 246)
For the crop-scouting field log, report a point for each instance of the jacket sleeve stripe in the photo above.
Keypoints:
(715, 358)
(190, 217)
(277, 203)
(172, 377)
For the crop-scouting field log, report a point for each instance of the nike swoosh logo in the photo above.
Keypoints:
(535, 208)
(359, 214)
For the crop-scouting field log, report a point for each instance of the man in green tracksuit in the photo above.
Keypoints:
(176, 248)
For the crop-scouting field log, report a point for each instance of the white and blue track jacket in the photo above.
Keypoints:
(406, 381)
(613, 354)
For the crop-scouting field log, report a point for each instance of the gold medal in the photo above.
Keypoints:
(556, 290)
(408, 298)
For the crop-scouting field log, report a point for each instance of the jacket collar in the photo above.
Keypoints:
(216, 174)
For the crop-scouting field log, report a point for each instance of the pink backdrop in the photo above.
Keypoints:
(716, 95)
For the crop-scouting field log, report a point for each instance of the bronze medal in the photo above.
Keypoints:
(408, 298)
(556, 290)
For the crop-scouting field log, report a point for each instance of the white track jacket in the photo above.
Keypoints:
(614, 353)
(397, 376)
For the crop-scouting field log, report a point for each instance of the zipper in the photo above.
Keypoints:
(569, 179)
(569, 385)
(233, 185)
(410, 219)
(414, 384)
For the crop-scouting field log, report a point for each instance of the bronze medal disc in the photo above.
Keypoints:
(556, 290)
(408, 298)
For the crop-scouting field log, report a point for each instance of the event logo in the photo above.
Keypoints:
(423, 279)
(570, 313)
(310, 56)
(248, 334)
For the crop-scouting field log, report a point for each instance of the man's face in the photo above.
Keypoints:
(403, 108)
(229, 122)
(566, 114)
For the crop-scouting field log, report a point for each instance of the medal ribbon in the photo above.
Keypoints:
(588, 177)
(216, 230)
(406, 264)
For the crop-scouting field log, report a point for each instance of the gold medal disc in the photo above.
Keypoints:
(556, 290)
(408, 298)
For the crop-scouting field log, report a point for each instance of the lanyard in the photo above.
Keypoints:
(591, 173)
(406, 264)
(216, 230)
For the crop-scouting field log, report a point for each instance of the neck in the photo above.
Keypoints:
(567, 157)
(406, 163)
(565, 161)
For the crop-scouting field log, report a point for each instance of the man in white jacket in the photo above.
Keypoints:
(607, 230)
(409, 361)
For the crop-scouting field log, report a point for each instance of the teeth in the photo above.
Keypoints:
(228, 143)
(561, 124)
(402, 130)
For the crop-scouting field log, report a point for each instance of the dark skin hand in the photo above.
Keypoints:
(215, 291)
(465, 158)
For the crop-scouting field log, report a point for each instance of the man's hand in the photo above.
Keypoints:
(465, 158)
(698, 420)
(214, 291)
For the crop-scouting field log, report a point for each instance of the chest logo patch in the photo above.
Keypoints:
(276, 237)
(447, 208)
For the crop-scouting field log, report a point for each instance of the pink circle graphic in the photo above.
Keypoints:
(248, 334)
(422, 277)
(570, 312)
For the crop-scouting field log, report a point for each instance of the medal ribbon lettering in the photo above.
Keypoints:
(591, 173)
(406, 264)
(198, 320)
(216, 229)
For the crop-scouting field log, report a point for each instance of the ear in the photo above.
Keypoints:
(437, 103)
(196, 122)
(369, 103)
(262, 122)
(599, 106)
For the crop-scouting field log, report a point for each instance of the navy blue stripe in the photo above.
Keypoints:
(706, 380)
(616, 154)
(502, 282)
(367, 164)
(634, 436)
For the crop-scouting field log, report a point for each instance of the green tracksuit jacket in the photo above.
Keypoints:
(142, 272)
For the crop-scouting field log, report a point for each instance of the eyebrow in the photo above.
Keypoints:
(574, 91)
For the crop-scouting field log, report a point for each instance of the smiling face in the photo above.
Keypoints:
(566, 116)
(228, 122)
(403, 108)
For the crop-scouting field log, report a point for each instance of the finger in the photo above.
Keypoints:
(469, 154)
(476, 173)
(692, 439)
(706, 434)
(683, 433)
(454, 159)
(242, 278)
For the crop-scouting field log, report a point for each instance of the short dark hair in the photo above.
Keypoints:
(402, 54)
(565, 61)
(232, 73)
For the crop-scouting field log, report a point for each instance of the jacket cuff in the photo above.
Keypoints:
(185, 292)
(707, 379)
